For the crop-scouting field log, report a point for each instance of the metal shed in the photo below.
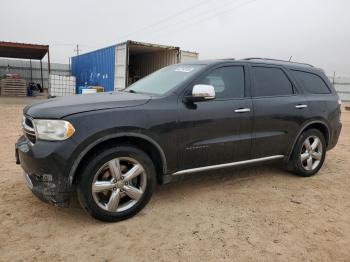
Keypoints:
(30, 70)
(120, 65)
(26, 51)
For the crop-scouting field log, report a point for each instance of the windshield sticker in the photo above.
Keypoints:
(184, 69)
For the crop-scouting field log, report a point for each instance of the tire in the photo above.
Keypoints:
(116, 183)
(302, 150)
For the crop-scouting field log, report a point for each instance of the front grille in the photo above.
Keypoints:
(29, 122)
(28, 129)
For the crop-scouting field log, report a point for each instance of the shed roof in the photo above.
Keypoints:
(21, 50)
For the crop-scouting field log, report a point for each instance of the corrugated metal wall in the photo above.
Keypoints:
(108, 67)
(22, 67)
(95, 68)
(147, 63)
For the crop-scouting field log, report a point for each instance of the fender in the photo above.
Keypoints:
(111, 136)
(306, 125)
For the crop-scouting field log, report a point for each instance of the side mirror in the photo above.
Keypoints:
(201, 93)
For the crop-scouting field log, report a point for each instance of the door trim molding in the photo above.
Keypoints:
(205, 168)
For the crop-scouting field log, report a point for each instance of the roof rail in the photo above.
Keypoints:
(277, 60)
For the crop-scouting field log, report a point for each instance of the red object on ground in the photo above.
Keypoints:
(13, 76)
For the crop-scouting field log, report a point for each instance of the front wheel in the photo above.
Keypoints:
(309, 153)
(117, 183)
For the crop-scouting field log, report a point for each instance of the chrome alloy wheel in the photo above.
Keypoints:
(311, 153)
(119, 184)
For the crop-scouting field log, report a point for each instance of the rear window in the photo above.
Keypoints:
(270, 81)
(311, 83)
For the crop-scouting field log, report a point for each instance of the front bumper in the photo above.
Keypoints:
(46, 166)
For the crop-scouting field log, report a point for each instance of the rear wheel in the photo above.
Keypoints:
(309, 153)
(117, 183)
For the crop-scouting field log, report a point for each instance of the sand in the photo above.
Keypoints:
(257, 213)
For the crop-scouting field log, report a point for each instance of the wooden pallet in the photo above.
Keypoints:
(12, 80)
(13, 87)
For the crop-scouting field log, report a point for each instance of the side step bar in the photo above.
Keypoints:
(205, 168)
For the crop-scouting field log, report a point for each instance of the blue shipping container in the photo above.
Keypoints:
(96, 68)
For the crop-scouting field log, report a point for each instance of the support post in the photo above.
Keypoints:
(41, 72)
(49, 69)
(48, 60)
(31, 70)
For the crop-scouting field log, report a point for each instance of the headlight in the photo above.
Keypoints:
(53, 130)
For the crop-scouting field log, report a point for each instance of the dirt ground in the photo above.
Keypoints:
(254, 214)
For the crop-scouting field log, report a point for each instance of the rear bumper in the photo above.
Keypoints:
(335, 136)
(45, 170)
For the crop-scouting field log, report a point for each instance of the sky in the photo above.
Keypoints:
(311, 31)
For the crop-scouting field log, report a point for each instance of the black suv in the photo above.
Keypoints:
(181, 119)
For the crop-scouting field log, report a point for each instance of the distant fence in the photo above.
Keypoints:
(342, 86)
(343, 91)
(22, 67)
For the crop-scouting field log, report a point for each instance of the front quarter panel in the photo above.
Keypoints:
(154, 120)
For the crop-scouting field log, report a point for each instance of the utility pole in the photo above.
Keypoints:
(333, 78)
(77, 50)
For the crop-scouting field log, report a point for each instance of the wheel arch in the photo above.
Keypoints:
(320, 125)
(141, 141)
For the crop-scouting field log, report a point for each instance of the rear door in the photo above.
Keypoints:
(186, 56)
(121, 66)
(279, 110)
(217, 131)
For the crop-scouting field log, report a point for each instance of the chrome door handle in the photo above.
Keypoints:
(242, 110)
(301, 106)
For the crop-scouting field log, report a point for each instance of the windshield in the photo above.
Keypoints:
(164, 80)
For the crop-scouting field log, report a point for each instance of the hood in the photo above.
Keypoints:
(68, 105)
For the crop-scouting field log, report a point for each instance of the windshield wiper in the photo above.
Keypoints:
(132, 91)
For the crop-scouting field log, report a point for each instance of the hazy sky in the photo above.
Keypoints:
(313, 31)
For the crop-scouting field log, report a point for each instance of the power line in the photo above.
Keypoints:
(200, 15)
(171, 17)
(210, 17)
(179, 13)
(62, 44)
(73, 44)
(164, 28)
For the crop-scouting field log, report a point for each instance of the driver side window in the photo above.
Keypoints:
(227, 81)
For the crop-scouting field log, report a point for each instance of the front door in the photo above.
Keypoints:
(217, 131)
